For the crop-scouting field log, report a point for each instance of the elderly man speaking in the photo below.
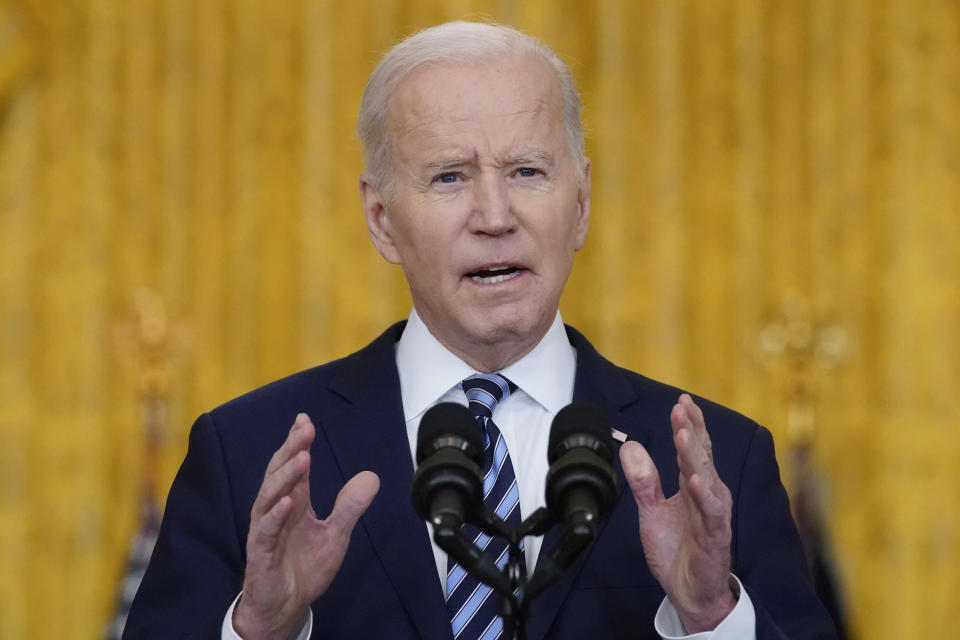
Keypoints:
(477, 186)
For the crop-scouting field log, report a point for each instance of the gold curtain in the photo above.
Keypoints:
(746, 155)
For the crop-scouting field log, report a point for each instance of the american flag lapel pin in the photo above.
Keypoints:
(618, 435)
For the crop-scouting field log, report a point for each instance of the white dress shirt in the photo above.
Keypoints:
(430, 374)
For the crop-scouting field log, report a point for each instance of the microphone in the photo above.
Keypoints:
(448, 486)
(581, 485)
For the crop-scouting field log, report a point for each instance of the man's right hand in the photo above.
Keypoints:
(292, 556)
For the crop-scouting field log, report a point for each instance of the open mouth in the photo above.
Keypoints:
(495, 275)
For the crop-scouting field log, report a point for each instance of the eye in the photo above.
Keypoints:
(449, 177)
(527, 172)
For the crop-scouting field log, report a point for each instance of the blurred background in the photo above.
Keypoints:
(776, 225)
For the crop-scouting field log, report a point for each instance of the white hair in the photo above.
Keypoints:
(453, 42)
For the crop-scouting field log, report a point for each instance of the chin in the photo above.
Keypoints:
(511, 327)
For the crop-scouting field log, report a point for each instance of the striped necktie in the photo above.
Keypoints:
(471, 603)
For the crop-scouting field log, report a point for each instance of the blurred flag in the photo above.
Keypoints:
(137, 562)
(147, 343)
(808, 513)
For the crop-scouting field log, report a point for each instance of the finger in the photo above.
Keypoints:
(642, 476)
(713, 503)
(353, 500)
(280, 483)
(299, 438)
(687, 417)
(679, 419)
(692, 458)
(300, 494)
(695, 416)
(265, 532)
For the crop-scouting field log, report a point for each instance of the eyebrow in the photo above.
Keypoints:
(532, 157)
(448, 163)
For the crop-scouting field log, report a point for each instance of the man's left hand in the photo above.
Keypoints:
(686, 538)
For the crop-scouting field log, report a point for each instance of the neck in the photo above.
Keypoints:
(495, 353)
(492, 358)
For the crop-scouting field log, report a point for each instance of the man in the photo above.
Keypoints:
(477, 187)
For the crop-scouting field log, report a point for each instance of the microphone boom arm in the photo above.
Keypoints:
(577, 534)
(451, 538)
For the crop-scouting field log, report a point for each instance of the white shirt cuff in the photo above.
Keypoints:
(740, 624)
(227, 632)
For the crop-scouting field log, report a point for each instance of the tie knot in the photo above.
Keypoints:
(485, 391)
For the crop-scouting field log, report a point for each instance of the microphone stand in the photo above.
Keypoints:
(515, 589)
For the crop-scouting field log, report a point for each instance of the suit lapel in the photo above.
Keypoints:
(366, 430)
(364, 425)
(601, 383)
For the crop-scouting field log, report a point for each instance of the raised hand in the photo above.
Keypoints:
(292, 556)
(686, 538)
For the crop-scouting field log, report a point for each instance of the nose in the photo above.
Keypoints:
(492, 213)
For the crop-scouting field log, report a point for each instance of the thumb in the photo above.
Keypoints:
(353, 500)
(642, 476)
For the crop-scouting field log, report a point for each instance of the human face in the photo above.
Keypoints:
(486, 208)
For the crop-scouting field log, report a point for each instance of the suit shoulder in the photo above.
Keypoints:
(632, 391)
(297, 391)
(734, 436)
(284, 391)
(649, 388)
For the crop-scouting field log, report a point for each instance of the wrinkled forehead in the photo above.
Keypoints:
(475, 91)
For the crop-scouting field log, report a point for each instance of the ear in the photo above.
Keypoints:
(378, 219)
(583, 207)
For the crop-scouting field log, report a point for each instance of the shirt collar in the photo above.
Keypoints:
(428, 370)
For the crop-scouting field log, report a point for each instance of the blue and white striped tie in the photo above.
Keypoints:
(471, 603)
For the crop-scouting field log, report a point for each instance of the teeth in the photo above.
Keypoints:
(495, 279)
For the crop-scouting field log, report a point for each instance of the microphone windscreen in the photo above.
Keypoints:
(443, 425)
(587, 421)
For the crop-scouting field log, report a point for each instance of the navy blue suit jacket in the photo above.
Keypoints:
(388, 585)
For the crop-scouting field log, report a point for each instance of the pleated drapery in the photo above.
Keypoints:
(776, 225)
